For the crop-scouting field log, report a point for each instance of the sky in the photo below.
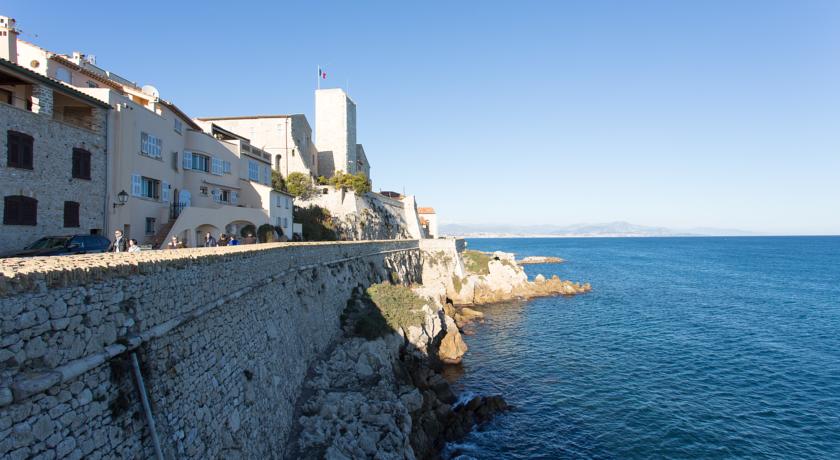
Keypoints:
(677, 114)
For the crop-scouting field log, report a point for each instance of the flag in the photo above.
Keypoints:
(322, 74)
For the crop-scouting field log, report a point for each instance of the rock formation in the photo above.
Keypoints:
(531, 260)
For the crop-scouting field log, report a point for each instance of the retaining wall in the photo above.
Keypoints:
(224, 337)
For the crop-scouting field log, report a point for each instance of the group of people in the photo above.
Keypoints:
(122, 244)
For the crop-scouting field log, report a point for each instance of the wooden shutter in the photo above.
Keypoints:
(20, 210)
(71, 214)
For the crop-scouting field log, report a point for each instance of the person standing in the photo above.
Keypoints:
(133, 246)
(223, 239)
(120, 244)
(209, 241)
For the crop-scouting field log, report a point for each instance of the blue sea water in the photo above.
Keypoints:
(686, 348)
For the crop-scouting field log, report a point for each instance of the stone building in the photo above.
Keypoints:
(335, 134)
(53, 179)
(181, 179)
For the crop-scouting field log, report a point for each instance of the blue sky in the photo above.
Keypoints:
(679, 114)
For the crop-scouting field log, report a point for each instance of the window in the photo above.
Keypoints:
(287, 200)
(71, 214)
(200, 162)
(150, 145)
(6, 96)
(150, 225)
(253, 170)
(81, 164)
(204, 191)
(175, 161)
(62, 74)
(226, 167)
(20, 210)
(19, 153)
(91, 84)
(224, 196)
(218, 166)
(179, 126)
(150, 188)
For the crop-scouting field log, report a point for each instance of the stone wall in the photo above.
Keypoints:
(224, 337)
(50, 180)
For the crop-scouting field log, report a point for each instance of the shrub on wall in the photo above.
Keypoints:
(248, 230)
(477, 262)
(317, 223)
(300, 185)
(277, 181)
(358, 182)
(265, 234)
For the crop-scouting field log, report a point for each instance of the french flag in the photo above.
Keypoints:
(322, 74)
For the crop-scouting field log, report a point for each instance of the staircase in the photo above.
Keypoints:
(159, 240)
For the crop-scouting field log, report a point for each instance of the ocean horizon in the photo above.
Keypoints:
(701, 347)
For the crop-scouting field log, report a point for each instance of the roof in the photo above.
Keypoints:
(425, 210)
(180, 113)
(94, 75)
(55, 84)
(244, 117)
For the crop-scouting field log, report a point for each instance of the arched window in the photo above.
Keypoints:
(20, 210)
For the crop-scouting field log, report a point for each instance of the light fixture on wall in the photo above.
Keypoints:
(122, 199)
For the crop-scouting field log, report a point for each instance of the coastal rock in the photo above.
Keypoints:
(452, 348)
(540, 260)
(503, 279)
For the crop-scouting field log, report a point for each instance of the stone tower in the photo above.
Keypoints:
(335, 131)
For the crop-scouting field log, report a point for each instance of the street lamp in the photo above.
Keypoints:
(122, 198)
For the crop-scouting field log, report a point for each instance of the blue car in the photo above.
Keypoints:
(63, 245)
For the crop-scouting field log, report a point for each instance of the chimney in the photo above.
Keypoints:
(8, 39)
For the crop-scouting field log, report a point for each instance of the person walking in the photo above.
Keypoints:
(120, 244)
(133, 246)
(209, 241)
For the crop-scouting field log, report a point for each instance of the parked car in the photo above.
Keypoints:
(63, 245)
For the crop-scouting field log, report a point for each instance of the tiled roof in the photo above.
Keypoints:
(426, 210)
(246, 117)
(55, 84)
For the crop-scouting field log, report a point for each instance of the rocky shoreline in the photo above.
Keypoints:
(378, 393)
(534, 260)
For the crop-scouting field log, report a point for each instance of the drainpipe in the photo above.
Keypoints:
(107, 173)
(141, 388)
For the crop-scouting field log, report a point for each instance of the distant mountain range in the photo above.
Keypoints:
(609, 229)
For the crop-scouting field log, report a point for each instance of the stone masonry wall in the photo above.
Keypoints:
(224, 337)
(50, 181)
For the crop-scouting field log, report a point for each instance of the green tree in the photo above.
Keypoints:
(300, 185)
(277, 181)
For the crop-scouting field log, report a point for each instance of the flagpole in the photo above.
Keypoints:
(319, 77)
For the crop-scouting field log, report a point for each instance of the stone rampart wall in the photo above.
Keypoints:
(224, 337)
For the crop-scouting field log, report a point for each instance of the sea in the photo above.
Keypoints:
(687, 348)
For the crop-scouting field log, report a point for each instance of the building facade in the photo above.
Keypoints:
(335, 131)
(53, 138)
(288, 138)
(429, 222)
(181, 179)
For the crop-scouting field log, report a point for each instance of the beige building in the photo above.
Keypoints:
(181, 178)
(429, 222)
(287, 138)
(53, 177)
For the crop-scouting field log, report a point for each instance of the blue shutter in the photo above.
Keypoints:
(164, 191)
(187, 159)
(234, 197)
(136, 185)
